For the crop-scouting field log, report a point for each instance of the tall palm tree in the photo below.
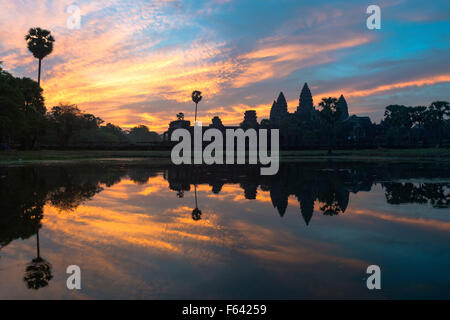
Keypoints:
(40, 44)
(196, 97)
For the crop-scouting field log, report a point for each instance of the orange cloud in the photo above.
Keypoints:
(348, 92)
(279, 60)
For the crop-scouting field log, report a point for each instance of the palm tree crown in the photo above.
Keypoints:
(196, 96)
(40, 42)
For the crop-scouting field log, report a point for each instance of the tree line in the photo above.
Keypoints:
(25, 122)
(406, 125)
(401, 127)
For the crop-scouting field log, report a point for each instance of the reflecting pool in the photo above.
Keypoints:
(144, 231)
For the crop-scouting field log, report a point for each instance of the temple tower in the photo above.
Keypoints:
(343, 107)
(250, 119)
(279, 110)
(306, 104)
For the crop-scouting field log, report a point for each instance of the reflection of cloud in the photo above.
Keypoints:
(265, 244)
(101, 225)
(419, 222)
(170, 230)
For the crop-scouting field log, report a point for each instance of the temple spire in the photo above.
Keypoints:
(343, 107)
(279, 110)
(306, 103)
(282, 104)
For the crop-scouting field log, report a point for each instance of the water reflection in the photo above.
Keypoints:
(196, 213)
(38, 273)
(435, 194)
(29, 194)
(312, 183)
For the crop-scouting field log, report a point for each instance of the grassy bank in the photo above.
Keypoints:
(375, 154)
(434, 153)
(59, 155)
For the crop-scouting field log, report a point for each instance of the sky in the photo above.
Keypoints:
(137, 62)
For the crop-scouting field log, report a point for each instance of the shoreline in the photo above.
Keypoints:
(59, 156)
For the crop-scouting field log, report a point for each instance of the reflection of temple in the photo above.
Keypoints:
(24, 191)
(313, 187)
(308, 184)
(318, 187)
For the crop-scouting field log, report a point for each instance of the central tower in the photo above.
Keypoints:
(305, 104)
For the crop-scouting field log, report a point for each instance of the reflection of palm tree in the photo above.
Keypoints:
(180, 194)
(38, 273)
(331, 208)
(196, 213)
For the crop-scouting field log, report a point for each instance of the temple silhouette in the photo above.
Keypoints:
(302, 128)
(305, 110)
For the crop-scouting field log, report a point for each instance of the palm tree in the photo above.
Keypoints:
(196, 97)
(40, 44)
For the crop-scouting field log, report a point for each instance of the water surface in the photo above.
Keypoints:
(141, 231)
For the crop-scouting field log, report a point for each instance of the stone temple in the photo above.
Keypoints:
(305, 103)
(305, 110)
(351, 129)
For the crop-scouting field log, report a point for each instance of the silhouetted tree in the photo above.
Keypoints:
(11, 102)
(196, 97)
(330, 114)
(418, 115)
(34, 112)
(113, 133)
(40, 43)
(398, 116)
(68, 120)
(435, 116)
(141, 133)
